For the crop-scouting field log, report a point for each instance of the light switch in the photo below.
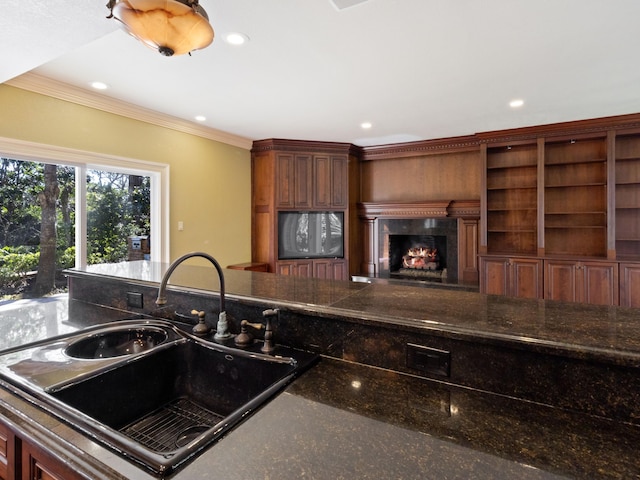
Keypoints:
(180, 226)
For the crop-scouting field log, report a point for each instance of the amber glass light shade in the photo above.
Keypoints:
(172, 27)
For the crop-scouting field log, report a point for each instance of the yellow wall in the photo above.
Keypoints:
(210, 182)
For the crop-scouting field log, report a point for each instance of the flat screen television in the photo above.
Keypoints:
(310, 235)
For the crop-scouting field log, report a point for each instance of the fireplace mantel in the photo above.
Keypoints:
(377, 216)
(431, 209)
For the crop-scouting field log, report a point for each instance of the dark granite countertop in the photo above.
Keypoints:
(349, 421)
(343, 420)
(346, 421)
(574, 328)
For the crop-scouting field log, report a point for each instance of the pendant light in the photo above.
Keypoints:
(172, 27)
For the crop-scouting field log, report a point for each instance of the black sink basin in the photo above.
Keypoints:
(159, 407)
(117, 342)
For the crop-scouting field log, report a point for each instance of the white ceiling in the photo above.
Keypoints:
(415, 69)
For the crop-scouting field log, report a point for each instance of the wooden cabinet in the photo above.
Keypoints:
(511, 189)
(630, 285)
(22, 460)
(311, 181)
(570, 198)
(329, 269)
(514, 277)
(7, 453)
(295, 268)
(298, 176)
(38, 465)
(581, 281)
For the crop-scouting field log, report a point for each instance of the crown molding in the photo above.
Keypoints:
(433, 209)
(280, 144)
(437, 146)
(63, 91)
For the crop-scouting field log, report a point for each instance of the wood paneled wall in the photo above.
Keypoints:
(439, 174)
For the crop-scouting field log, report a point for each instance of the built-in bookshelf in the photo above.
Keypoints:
(627, 209)
(512, 199)
(575, 197)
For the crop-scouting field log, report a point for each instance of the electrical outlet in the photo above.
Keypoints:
(429, 360)
(134, 300)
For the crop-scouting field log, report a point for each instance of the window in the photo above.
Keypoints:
(93, 166)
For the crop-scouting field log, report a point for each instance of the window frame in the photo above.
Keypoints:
(85, 160)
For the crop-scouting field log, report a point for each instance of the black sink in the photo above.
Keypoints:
(116, 342)
(159, 407)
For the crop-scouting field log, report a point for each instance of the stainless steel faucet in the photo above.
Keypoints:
(222, 331)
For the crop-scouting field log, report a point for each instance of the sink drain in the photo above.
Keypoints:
(189, 434)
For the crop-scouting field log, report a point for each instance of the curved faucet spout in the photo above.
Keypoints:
(162, 299)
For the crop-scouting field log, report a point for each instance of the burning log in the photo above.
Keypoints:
(422, 258)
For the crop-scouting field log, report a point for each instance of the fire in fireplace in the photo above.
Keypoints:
(418, 257)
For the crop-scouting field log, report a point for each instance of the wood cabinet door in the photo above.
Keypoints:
(630, 285)
(560, 280)
(303, 181)
(285, 180)
(494, 276)
(321, 181)
(285, 268)
(339, 181)
(7, 453)
(339, 270)
(525, 278)
(37, 465)
(599, 283)
(304, 269)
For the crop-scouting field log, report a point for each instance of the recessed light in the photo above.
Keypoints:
(99, 85)
(518, 102)
(236, 38)
(200, 118)
(366, 125)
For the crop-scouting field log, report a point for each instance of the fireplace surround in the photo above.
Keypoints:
(392, 229)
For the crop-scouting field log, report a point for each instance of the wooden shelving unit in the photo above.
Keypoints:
(301, 176)
(512, 199)
(627, 209)
(575, 197)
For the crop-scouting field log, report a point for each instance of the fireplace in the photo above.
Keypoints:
(430, 242)
(418, 249)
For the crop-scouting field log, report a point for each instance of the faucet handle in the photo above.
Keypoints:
(201, 329)
(268, 347)
(244, 338)
(246, 323)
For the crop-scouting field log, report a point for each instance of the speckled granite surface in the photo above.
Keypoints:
(345, 421)
(349, 421)
(356, 420)
(612, 331)
(579, 357)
